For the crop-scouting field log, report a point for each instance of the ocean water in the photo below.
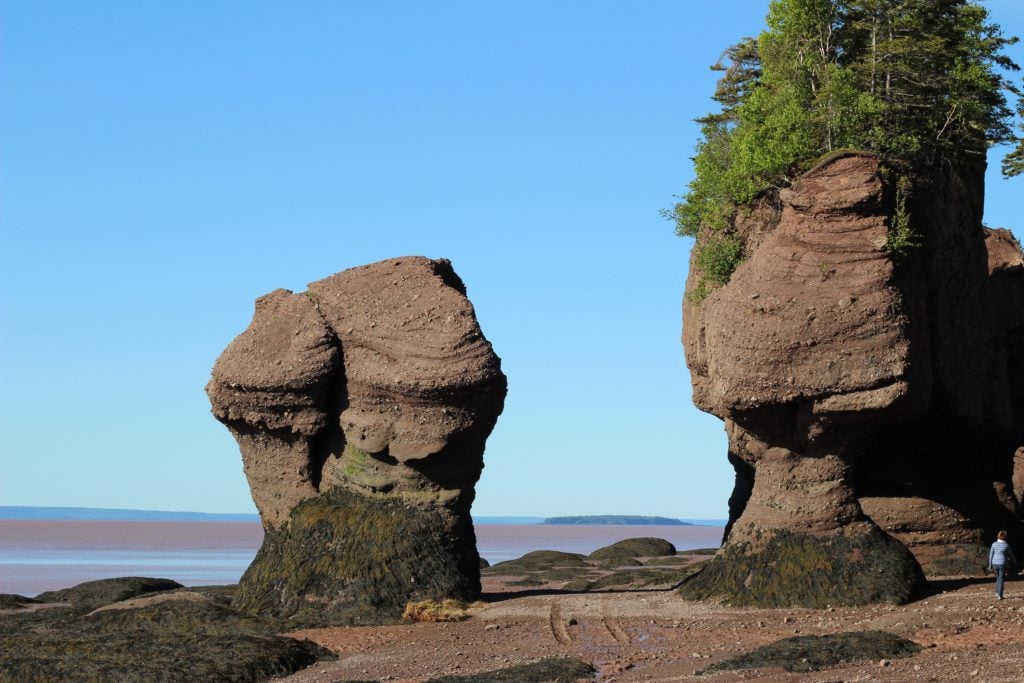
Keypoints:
(42, 555)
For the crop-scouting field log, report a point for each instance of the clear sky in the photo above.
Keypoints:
(162, 164)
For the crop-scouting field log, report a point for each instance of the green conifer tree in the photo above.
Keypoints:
(919, 82)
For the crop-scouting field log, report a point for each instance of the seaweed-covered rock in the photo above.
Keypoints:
(538, 560)
(813, 653)
(93, 594)
(350, 559)
(632, 548)
(165, 636)
(791, 569)
(13, 601)
(631, 579)
(370, 394)
(547, 670)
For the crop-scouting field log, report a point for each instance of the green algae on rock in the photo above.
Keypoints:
(174, 636)
(538, 561)
(346, 558)
(547, 670)
(14, 601)
(632, 548)
(803, 570)
(804, 654)
(93, 594)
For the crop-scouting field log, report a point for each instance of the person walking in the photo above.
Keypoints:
(1000, 558)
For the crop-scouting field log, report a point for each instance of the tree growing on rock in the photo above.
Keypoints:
(921, 83)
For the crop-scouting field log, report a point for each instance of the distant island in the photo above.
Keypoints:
(617, 519)
(24, 512)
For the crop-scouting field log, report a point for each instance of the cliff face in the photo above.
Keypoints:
(361, 408)
(849, 386)
(1006, 275)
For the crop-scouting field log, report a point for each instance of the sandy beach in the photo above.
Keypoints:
(654, 635)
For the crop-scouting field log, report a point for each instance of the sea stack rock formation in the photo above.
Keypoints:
(1006, 274)
(361, 408)
(866, 398)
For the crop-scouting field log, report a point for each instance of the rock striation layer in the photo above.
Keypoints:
(361, 408)
(866, 400)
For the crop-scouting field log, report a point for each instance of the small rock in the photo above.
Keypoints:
(491, 627)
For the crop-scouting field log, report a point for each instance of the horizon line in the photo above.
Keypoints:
(255, 515)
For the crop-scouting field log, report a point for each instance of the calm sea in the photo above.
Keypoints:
(42, 555)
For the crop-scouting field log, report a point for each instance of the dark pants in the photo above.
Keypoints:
(1000, 573)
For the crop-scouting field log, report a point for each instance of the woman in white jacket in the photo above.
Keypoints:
(1000, 556)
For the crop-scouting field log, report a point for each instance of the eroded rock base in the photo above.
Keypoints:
(346, 559)
(803, 570)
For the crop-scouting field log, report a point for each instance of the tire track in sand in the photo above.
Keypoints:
(620, 636)
(558, 629)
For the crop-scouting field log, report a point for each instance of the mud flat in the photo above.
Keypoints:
(651, 634)
(616, 611)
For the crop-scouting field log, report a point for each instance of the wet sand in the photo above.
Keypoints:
(655, 635)
(42, 555)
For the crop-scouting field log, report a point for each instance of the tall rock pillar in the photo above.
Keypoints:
(806, 350)
(872, 405)
(361, 408)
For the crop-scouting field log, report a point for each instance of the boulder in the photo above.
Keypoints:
(631, 548)
(361, 408)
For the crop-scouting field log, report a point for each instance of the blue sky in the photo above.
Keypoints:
(166, 163)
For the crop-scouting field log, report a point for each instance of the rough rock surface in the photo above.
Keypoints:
(857, 391)
(1006, 274)
(143, 629)
(361, 408)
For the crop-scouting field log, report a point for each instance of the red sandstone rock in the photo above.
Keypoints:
(1006, 275)
(845, 376)
(376, 383)
(811, 321)
(270, 388)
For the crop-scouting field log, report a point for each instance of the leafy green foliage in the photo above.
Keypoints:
(902, 238)
(919, 82)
